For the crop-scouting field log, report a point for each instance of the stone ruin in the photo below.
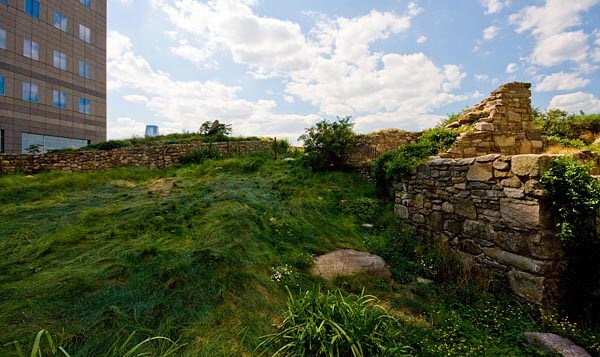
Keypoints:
(501, 123)
(483, 196)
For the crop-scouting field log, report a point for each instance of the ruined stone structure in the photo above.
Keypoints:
(376, 143)
(501, 123)
(483, 196)
(151, 156)
(490, 209)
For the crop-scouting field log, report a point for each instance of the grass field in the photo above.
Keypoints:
(202, 254)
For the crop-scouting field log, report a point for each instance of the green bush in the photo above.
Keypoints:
(107, 145)
(328, 146)
(574, 195)
(398, 163)
(199, 156)
(559, 123)
(329, 324)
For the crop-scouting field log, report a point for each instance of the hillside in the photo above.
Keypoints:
(191, 253)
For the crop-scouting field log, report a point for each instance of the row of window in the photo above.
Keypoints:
(31, 49)
(32, 7)
(31, 93)
(60, 22)
(45, 143)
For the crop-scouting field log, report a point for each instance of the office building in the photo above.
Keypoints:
(52, 74)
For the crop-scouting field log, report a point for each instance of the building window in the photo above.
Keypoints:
(60, 60)
(31, 49)
(2, 85)
(85, 34)
(4, 2)
(87, 3)
(45, 143)
(32, 7)
(84, 105)
(30, 92)
(2, 38)
(84, 69)
(60, 21)
(59, 99)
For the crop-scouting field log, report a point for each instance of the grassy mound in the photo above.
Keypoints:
(202, 254)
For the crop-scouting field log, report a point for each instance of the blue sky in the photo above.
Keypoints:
(275, 67)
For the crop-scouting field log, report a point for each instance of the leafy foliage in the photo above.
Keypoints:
(199, 156)
(574, 196)
(331, 324)
(328, 146)
(398, 163)
(214, 128)
(107, 145)
(559, 123)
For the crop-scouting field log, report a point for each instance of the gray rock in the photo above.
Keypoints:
(550, 342)
(349, 262)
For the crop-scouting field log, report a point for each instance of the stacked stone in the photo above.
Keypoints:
(379, 142)
(151, 156)
(490, 210)
(501, 123)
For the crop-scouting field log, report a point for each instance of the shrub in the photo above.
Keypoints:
(107, 145)
(328, 146)
(330, 324)
(574, 196)
(214, 128)
(398, 163)
(199, 156)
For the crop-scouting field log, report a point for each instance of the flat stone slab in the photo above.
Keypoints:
(349, 262)
(554, 343)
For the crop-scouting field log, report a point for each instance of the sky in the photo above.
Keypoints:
(276, 67)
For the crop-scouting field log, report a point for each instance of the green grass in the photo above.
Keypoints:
(202, 254)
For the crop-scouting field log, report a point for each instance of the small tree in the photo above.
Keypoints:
(34, 149)
(328, 146)
(214, 128)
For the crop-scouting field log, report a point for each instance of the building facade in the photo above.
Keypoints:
(52, 74)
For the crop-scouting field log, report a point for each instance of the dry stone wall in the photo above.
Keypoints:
(490, 209)
(376, 143)
(151, 157)
(501, 123)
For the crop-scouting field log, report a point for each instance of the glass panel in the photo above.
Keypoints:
(34, 93)
(1, 85)
(2, 38)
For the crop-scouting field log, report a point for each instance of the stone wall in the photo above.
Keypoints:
(490, 209)
(501, 123)
(151, 157)
(376, 143)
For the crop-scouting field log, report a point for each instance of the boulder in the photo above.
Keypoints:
(349, 262)
(550, 342)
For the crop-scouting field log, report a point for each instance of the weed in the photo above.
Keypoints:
(331, 324)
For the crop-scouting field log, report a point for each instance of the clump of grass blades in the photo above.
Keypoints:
(329, 324)
(156, 346)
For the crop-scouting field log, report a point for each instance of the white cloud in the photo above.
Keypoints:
(490, 32)
(184, 105)
(494, 6)
(414, 9)
(193, 54)
(136, 98)
(574, 102)
(333, 67)
(548, 24)
(125, 128)
(482, 77)
(596, 55)
(422, 39)
(555, 49)
(561, 81)
(511, 68)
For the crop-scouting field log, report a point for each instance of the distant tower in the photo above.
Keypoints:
(151, 131)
